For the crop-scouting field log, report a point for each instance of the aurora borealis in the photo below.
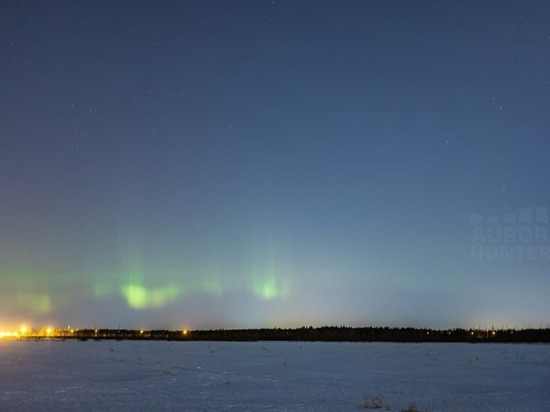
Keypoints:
(207, 164)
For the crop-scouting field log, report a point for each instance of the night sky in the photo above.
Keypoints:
(231, 164)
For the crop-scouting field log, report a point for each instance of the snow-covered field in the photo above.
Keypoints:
(278, 376)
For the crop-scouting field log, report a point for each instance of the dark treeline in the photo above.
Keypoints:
(320, 334)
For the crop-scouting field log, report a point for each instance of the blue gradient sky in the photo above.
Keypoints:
(240, 164)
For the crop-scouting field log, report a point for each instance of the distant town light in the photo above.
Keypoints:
(8, 334)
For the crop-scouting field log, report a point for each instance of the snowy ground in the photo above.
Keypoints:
(277, 376)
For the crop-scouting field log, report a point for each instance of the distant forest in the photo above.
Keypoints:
(313, 334)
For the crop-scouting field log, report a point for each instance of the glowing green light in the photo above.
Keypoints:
(140, 297)
(40, 303)
(270, 288)
(266, 290)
